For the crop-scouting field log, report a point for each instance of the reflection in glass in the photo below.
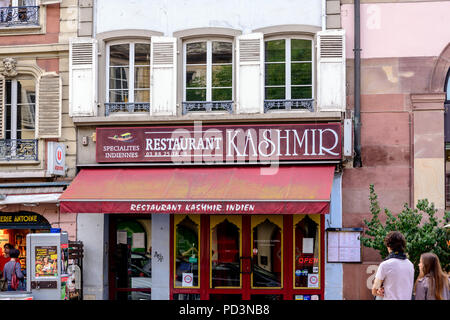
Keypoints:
(142, 54)
(195, 94)
(119, 55)
(25, 108)
(301, 50)
(301, 92)
(141, 96)
(142, 77)
(222, 75)
(195, 76)
(275, 74)
(267, 255)
(186, 251)
(222, 52)
(306, 251)
(301, 73)
(196, 53)
(222, 94)
(275, 93)
(275, 51)
(225, 250)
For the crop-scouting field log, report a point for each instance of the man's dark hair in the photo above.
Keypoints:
(396, 241)
(8, 246)
(14, 253)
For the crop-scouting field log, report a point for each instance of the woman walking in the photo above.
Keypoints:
(11, 267)
(432, 283)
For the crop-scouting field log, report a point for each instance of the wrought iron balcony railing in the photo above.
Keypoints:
(292, 104)
(130, 107)
(208, 106)
(18, 149)
(19, 16)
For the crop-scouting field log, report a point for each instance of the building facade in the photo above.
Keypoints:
(404, 67)
(37, 136)
(209, 149)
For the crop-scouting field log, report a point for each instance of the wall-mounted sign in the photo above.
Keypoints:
(23, 220)
(343, 245)
(313, 280)
(46, 261)
(56, 158)
(220, 144)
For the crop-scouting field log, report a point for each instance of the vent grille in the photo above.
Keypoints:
(162, 53)
(249, 50)
(81, 53)
(331, 46)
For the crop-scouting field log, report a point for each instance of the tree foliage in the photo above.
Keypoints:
(421, 236)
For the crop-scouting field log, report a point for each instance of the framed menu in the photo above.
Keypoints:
(344, 245)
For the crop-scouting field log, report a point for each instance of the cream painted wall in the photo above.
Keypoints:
(428, 182)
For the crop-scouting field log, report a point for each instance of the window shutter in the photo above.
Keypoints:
(2, 107)
(163, 76)
(331, 70)
(49, 106)
(250, 73)
(82, 77)
(46, 2)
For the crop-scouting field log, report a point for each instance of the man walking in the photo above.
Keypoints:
(394, 279)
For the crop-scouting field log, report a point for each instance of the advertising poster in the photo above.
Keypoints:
(46, 261)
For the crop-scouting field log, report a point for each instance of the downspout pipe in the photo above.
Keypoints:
(357, 161)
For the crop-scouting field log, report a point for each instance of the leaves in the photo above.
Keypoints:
(422, 230)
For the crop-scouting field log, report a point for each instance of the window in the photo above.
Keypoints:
(18, 12)
(208, 76)
(288, 70)
(128, 77)
(20, 115)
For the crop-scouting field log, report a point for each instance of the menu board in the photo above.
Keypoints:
(344, 246)
(46, 261)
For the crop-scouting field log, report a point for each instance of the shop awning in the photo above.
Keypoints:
(212, 190)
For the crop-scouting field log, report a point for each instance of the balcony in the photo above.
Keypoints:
(18, 150)
(292, 104)
(207, 106)
(19, 16)
(129, 107)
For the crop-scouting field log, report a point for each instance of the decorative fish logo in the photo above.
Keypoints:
(127, 137)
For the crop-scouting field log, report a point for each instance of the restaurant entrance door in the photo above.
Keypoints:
(247, 257)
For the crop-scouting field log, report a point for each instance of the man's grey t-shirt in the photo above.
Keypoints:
(397, 276)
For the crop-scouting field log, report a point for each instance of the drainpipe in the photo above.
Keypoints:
(324, 15)
(357, 161)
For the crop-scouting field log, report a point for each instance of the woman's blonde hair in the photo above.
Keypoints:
(431, 268)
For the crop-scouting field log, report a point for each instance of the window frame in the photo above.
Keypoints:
(131, 66)
(14, 105)
(209, 65)
(288, 62)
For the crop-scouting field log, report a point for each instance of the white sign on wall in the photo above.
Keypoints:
(313, 280)
(188, 280)
(56, 158)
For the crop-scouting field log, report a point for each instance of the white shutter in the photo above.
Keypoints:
(250, 73)
(163, 91)
(82, 77)
(45, 2)
(2, 107)
(49, 106)
(331, 70)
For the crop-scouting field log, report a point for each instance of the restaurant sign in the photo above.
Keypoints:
(220, 143)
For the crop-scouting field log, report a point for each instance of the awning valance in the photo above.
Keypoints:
(213, 190)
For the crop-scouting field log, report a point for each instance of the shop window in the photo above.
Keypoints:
(208, 76)
(307, 251)
(267, 251)
(288, 74)
(128, 76)
(225, 251)
(187, 251)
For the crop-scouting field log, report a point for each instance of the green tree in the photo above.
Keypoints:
(421, 237)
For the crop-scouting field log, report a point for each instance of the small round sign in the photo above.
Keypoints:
(298, 273)
(188, 278)
(313, 279)
(59, 155)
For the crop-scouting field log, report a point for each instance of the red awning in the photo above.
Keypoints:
(213, 190)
